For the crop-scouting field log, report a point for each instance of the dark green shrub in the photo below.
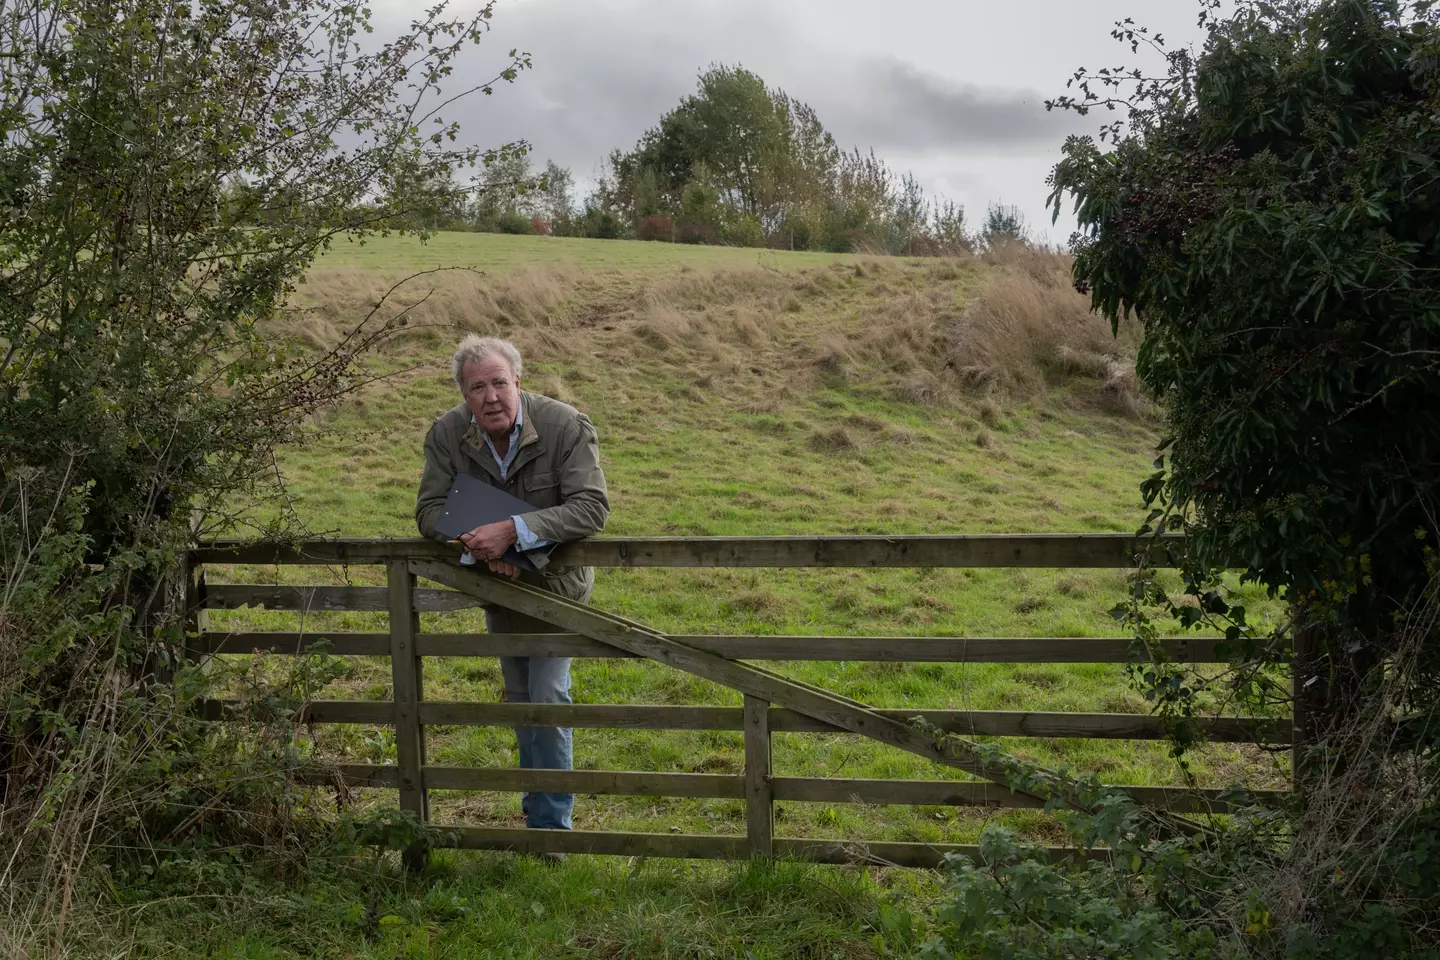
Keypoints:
(144, 389)
(657, 226)
(513, 222)
(745, 232)
(1269, 219)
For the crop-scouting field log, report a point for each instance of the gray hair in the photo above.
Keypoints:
(475, 348)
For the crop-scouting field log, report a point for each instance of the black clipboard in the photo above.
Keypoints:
(472, 503)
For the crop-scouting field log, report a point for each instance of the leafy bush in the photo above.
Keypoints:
(1288, 162)
(144, 390)
(689, 232)
(1016, 905)
(599, 224)
(513, 222)
(1003, 225)
(1349, 871)
(745, 232)
(1264, 219)
(657, 226)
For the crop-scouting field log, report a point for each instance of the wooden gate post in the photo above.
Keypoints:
(406, 674)
(197, 618)
(759, 794)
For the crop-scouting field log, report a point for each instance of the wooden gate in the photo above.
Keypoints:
(772, 702)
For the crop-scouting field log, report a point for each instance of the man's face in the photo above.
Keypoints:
(492, 393)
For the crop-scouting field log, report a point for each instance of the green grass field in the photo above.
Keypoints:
(744, 392)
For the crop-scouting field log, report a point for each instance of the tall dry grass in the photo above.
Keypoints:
(935, 332)
(334, 300)
(1027, 327)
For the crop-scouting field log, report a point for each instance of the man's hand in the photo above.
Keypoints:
(490, 541)
(505, 569)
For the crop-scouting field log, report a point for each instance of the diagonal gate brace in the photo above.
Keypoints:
(634, 638)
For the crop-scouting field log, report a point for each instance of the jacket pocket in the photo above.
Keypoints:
(543, 489)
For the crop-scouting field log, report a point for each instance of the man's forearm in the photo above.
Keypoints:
(575, 519)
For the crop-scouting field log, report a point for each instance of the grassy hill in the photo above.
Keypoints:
(756, 392)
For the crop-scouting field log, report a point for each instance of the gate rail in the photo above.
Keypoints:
(410, 713)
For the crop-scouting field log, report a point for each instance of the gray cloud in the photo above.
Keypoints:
(893, 104)
(937, 87)
(605, 72)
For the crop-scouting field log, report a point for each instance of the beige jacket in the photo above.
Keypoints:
(556, 470)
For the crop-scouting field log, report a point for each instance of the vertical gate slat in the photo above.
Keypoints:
(759, 794)
(406, 674)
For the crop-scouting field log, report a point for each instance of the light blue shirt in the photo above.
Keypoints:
(525, 538)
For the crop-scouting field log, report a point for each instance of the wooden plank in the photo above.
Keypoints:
(886, 649)
(439, 601)
(337, 551)
(619, 782)
(924, 793)
(1070, 550)
(759, 798)
(230, 596)
(757, 682)
(1096, 550)
(697, 847)
(340, 644)
(990, 723)
(1020, 723)
(584, 715)
(407, 676)
(962, 793)
(900, 854)
(613, 843)
(196, 619)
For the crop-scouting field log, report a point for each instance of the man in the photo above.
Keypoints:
(544, 452)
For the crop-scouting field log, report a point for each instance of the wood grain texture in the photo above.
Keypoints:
(232, 596)
(879, 649)
(759, 797)
(406, 676)
(921, 793)
(693, 846)
(617, 782)
(992, 723)
(1095, 550)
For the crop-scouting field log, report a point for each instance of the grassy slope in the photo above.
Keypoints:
(758, 400)
(499, 253)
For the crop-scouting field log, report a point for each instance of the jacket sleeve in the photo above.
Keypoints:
(435, 483)
(584, 503)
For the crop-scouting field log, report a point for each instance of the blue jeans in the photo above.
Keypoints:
(538, 680)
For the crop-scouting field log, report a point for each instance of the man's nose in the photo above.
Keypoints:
(490, 395)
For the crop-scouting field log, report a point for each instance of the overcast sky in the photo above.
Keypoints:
(952, 90)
